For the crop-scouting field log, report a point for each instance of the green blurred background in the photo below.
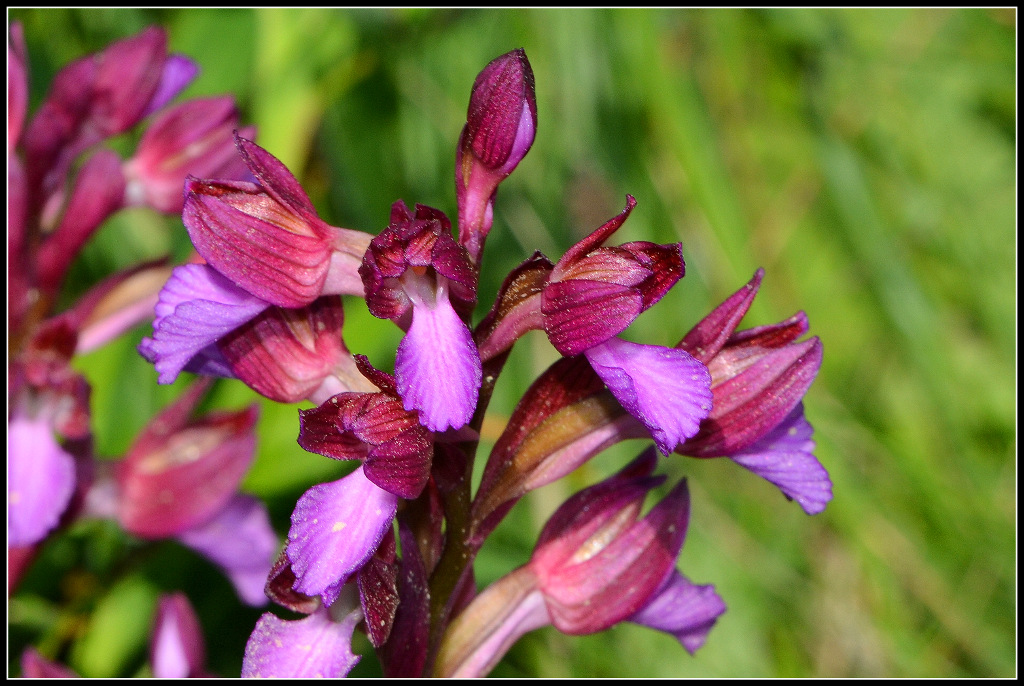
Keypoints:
(864, 158)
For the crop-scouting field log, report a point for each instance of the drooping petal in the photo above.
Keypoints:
(665, 388)
(785, 457)
(314, 647)
(437, 367)
(196, 307)
(335, 529)
(683, 609)
(241, 541)
(40, 480)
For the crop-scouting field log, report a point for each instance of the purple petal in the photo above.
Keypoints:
(683, 609)
(437, 367)
(176, 648)
(667, 389)
(316, 646)
(335, 529)
(196, 307)
(178, 72)
(785, 458)
(241, 541)
(40, 480)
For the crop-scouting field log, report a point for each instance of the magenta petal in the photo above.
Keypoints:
(582, 313)
(667, 389)
(35, 666)
(241, 541)
(683, 609)
(263, 246)
(196, 307)
(275, 178)
(40, 481)
(335, 529)
(437, 367)
(785, 458)
(316, 646)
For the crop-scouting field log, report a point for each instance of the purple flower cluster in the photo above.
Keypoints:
(180, 478)
(389, 548)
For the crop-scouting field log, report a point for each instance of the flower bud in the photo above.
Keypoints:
(17, 85)
(596, 562)
(500, 127)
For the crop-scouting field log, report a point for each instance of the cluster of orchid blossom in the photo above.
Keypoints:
(389, 548)
(180, 478)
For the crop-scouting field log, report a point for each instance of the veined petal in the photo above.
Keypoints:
(582, 313)
(667, 389)
(196, 307)
(315, 646)
(437, 367)
(241, 541)
(260, 244)
(785, 458)
(402, 465)
(683, 609)
(40, 480)
(336, 527)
